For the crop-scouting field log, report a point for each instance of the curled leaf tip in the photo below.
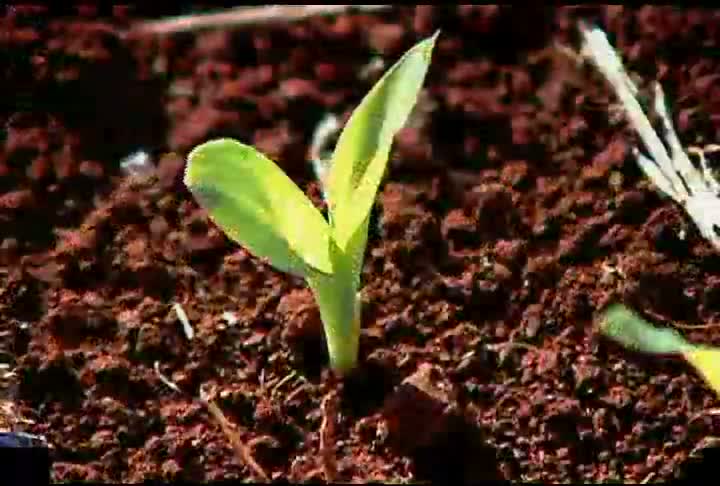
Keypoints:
(196, 157)
(428, 45)
(360, 158)
(258, 206)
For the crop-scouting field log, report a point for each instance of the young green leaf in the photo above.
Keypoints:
(707, 361)
(257, 205)
(633, 332)
(360, 157)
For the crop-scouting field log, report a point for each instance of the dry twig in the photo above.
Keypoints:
(712, 325)
(245, 16)
(329, 407)
(242, 452)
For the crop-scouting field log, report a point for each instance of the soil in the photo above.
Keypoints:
(512, 213)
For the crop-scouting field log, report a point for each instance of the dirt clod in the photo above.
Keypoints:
(513, 210)
(425, 421)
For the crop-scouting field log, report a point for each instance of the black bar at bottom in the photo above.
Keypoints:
(23, 462)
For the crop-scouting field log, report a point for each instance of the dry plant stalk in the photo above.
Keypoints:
(329, 407)
(247, 16)
(665, 162)
(242, 452)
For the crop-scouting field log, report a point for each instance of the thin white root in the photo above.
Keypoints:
(182, 316)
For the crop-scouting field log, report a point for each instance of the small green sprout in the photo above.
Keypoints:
(632, 331)
(258, 206)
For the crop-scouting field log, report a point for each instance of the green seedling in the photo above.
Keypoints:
(633, 332)
(258, 206)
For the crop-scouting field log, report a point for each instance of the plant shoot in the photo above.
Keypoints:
(258, 206)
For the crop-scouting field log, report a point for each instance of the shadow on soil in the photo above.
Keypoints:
(426, 424)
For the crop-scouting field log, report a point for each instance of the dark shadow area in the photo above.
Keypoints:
(459, 456)
(82, 100)
(367, 387)
(699, 467)
(427, 425)
(54, 380)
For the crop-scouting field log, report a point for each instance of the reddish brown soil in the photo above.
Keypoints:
(498, 224)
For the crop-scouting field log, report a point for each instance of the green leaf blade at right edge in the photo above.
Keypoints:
(258, 206)
(706, 360)
(361, 154)
(633, 332)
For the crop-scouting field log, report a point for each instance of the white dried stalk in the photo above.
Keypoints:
(183, 318)
(319, 153)
(248, 16)
(673, 173)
